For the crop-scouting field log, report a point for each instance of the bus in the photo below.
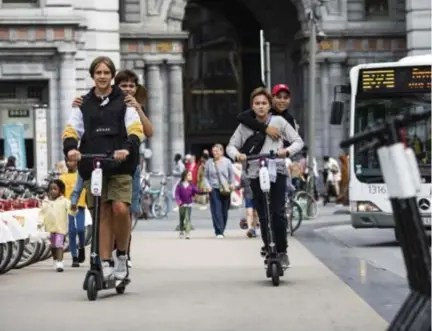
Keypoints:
(379, 91)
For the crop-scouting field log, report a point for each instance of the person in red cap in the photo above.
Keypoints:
(281, 100)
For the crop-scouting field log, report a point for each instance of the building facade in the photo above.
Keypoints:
(199, 60)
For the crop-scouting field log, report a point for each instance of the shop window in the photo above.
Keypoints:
(376, 8)
(8, 91)
(20, 3)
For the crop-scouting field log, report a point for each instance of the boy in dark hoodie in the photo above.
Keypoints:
(282, 98)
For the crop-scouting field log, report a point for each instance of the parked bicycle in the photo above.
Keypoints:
(154, 200)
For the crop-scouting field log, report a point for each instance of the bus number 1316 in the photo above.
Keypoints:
(377, 189)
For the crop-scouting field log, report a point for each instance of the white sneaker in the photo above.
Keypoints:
(129, 264)
(107, 270)
(120, 267)
(187, 236)
(59, 266)
(220, 236)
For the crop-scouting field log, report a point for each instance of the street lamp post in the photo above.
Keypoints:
(313, 17)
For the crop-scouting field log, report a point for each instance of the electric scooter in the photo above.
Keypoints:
(273, 265)
(402, 176)
(94, 280)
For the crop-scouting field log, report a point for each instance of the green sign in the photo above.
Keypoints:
(18, 113)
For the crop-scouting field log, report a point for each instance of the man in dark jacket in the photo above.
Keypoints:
(281, 100)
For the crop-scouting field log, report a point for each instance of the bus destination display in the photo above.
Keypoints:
(397, 79)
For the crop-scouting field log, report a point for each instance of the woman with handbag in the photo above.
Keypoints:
(219, 176)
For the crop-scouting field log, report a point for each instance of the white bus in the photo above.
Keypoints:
(380, 90)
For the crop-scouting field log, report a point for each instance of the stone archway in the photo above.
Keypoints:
(210, 112)
(175, 11)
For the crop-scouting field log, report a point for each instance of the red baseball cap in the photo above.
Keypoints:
(280, 87)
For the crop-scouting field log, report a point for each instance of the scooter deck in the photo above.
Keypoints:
(114, 283)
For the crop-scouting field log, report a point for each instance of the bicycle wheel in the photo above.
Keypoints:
(309, 204)
(160, 207)
(296, 217)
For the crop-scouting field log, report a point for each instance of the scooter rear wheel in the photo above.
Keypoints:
(92, 290)
(275, 274)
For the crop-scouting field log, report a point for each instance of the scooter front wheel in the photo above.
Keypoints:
(275, 274)
(92, 289)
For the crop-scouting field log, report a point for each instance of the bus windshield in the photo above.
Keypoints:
(369, 109)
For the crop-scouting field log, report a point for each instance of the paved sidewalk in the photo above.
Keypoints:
(203, 284)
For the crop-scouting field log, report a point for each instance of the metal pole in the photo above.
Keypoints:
(262, 56)
(312, 88)
(267, 64)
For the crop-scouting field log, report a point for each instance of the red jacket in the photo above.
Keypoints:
(194, 169)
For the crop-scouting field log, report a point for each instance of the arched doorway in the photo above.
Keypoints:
(223, 63)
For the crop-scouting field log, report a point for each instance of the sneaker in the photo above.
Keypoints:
(129, 264)
(59, 266)
(181, 235)
(285, 260)
(187, 235)
(220, 236)
(75, 263)
(107, 270)
(120, 268)
(81, 255)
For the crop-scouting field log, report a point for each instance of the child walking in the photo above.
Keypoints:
(184, 193)
(54, 215)
(77, 222)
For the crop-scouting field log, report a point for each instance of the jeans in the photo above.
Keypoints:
(219, 205)
(185, 218)
(277, 211)
(77, 226)
(136, 193)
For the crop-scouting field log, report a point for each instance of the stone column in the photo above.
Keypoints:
(176, 119)
(66, 94)
(418, 26)
(155, 110)
(325, 108)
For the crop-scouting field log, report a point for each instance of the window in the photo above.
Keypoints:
(20, 3)
(376, 8)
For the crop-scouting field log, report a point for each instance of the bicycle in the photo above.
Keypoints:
(274, 267)
(154, 201)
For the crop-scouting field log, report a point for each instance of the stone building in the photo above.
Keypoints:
(199, 59)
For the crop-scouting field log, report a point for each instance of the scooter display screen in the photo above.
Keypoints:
(413, 79)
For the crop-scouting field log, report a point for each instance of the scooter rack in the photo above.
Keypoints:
(401, 174)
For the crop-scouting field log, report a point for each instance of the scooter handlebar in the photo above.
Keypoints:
(102, 157)
(270, 155)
